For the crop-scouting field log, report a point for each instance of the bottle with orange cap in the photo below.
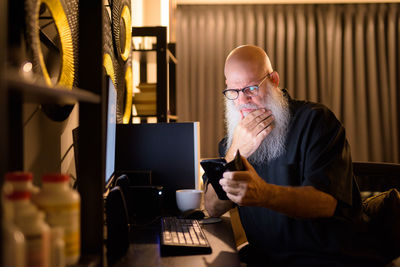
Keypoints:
(61, 205)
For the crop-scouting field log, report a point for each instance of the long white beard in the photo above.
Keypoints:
(273, 145)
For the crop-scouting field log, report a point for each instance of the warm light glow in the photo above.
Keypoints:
(152, 120)
(201, 170)
(27, 67)
(134, 110)
(137, 13)
(135, 120)
(164, 13)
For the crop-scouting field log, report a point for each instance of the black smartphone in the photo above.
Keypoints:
(214, 169)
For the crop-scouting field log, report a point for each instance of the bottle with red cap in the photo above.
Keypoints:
(61, 205)
(13, 245)
(31, 222)
(21, 181)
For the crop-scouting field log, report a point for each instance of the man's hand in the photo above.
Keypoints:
(214, 206)
(246, 188)
(250, 132)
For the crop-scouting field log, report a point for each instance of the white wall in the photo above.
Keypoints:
(152, 12)
(47, 142)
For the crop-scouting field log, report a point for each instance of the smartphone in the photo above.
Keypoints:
(214, 169)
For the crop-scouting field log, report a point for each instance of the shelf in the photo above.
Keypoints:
(172, 117)
(33, 91)
(169, 53)
(156, 99)
(146, 87)
(145, 116)
(143, 50)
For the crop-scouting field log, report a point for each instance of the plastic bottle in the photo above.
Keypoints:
(62, 207)
(13, 238)
(36, 232)
(21, 181)
(21, 203)
(57, 247)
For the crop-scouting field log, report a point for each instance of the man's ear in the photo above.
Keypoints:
(275, 78)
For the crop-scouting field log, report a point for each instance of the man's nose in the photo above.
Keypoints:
(243, 98)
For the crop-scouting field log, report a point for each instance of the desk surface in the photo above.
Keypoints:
(144, 249)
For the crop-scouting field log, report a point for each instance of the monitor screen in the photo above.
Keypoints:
(170, 151)
(110, 130)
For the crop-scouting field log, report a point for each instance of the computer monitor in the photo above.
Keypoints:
(169, 150)
(110, 116)
(116, 213)
(111, 124)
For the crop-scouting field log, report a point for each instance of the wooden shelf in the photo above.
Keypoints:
(143, 50)
(147, 87)
(164, 59)
(172, 117)
(33, 91)
(169, 53)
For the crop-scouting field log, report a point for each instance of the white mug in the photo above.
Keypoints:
(188, 199)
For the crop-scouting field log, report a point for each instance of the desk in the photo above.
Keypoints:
(144, 249)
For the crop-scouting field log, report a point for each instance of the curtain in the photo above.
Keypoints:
(346, 56)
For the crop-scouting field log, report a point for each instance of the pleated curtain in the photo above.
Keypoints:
(346, 56)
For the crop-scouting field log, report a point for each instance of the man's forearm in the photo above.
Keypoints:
(214, 206)
(302, 202)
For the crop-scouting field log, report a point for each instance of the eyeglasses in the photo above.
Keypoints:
(251, 90)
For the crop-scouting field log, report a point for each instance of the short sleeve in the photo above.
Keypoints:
(327, 159)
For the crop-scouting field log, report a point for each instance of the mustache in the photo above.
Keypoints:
(249, 106)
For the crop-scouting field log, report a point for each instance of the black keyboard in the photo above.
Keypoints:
(182, 237)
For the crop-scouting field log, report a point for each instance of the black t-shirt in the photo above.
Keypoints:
(317, 154)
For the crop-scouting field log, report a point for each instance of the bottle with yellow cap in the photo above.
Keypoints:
(62, 207)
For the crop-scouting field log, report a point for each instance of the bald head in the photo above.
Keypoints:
(246, 63)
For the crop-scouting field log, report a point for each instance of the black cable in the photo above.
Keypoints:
(66, 153)
(39, 107)
(46, 40)
(47, 24)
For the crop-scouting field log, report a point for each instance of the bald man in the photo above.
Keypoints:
(298, 200)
